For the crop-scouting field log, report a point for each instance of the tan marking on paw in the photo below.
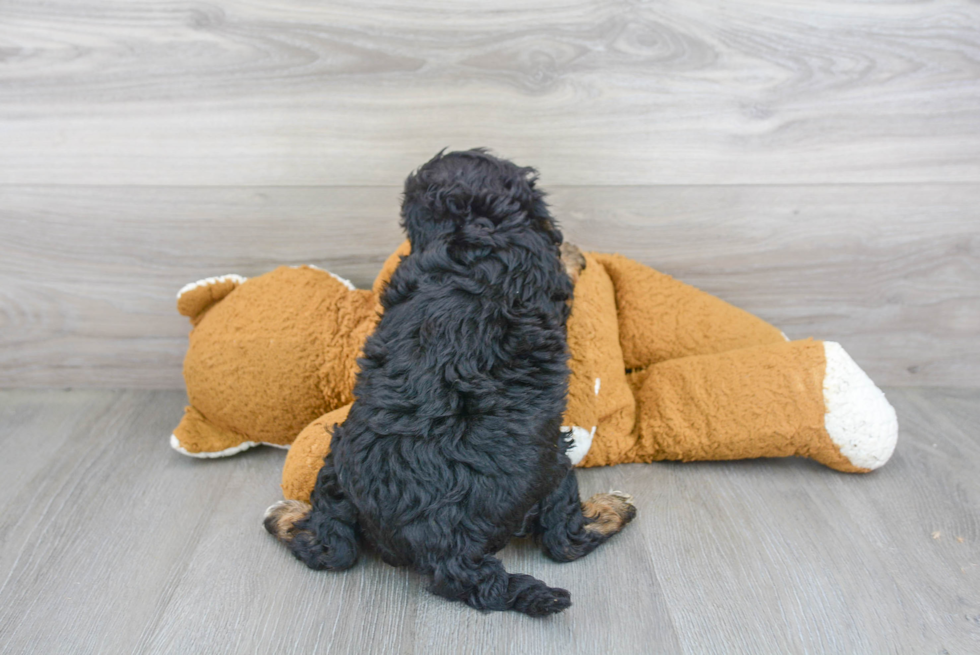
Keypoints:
(281, 518)
(608, 513)
(573, 260)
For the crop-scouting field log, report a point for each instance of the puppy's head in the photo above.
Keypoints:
(474, 197)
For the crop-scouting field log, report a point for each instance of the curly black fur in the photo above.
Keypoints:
(453, 443)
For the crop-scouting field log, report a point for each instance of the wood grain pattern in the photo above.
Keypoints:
(88, 274)
(114, 543)
(595, 92)
(890, 272)
(813, 162)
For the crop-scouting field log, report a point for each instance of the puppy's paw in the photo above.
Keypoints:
(280, 519)
(320, 544)
(608, 513)
(541, 600)
(550, 601)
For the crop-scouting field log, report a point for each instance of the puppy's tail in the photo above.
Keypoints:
(318, 541)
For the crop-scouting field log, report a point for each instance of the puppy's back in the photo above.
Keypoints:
(455, 429)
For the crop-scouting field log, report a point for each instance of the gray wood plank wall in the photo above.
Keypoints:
(816, 163)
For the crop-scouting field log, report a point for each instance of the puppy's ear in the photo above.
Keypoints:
(425, 192)
(540, 215)
(418, 219)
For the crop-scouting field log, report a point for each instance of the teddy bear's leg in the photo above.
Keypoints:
(805, 398)
(661, 318)
(569, 528)
(322, 534)
(859, 419)
(195, 436)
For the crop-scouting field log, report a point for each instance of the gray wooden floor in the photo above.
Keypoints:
(112, 543)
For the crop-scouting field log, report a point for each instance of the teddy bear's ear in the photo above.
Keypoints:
(197, 297)
(389, 267)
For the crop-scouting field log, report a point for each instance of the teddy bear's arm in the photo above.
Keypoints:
(306, 455)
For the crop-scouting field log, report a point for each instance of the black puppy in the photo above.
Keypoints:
(453, 445)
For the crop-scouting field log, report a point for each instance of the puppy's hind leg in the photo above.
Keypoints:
(484, 584)
(323, 534)
(570, 529)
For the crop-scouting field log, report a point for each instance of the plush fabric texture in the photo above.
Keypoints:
(764, 401)
(598, 394)
(306, 455)
(278, 351)
(197, 297)
(660, 370)
(661, 318)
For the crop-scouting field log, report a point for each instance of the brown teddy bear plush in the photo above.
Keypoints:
(660, 371)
